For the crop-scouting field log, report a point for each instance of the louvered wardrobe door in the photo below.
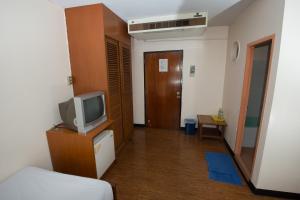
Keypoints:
(114, 87)
(126, 82)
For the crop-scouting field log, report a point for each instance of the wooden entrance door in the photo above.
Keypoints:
(163, 74)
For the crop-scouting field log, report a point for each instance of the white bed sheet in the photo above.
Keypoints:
(33, 183)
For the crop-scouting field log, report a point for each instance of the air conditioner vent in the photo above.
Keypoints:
(168, 24)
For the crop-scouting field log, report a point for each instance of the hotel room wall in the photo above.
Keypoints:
(33, 80)
(262, 18)
(280, 165)
(201, 94)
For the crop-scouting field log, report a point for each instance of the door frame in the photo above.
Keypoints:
(244, 101)
(181, 76)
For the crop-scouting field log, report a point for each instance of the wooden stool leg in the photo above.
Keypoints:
(200, 131)
(222, 131)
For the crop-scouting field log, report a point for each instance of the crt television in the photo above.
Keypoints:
(84, 112)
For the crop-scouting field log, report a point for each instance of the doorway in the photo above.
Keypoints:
(163, 77)
(259, 54)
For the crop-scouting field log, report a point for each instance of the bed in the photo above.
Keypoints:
(33, 183)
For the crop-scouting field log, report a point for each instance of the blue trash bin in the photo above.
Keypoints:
(190, 126)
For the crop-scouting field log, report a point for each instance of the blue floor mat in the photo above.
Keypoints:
(221, 168)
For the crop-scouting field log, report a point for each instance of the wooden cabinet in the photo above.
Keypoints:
(120, 88)
(114, 88)
(126, 90)
(72, 153)
(99, 47)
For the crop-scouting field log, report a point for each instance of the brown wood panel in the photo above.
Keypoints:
(95, 59)
(125, 68)
(87, 48)
(126, 86)
(114, 26)
(163, 90)
(113, 68)
(72, 153)
(127, 110)
(114, 82)
(116, 111)
(117, 126)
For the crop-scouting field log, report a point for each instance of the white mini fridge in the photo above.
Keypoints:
(104, 149)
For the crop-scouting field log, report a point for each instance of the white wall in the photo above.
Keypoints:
(34, 65)
(281, 158)
(201, 94)
(277, 162)
(262, 18)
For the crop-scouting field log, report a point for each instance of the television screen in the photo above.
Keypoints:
(93, 108)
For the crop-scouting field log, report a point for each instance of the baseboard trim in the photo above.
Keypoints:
(139, 125)
(236, 163)
(143, 125)
(183, 128)
(257, 191)
(228, 148)
(273, 193)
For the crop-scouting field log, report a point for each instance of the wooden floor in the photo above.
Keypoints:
(168, 165)
(247, 156)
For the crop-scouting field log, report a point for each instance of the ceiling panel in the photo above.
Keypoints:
(132, 9)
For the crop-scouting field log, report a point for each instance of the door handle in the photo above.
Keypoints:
(178, 96)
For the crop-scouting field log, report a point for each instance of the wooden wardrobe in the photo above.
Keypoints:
(100, 57)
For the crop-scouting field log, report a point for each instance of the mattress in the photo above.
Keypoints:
(33, 183)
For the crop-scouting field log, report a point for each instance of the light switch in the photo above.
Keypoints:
(192, 70)
(70, 80)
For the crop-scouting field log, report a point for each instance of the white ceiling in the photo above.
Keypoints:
(133, 9)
